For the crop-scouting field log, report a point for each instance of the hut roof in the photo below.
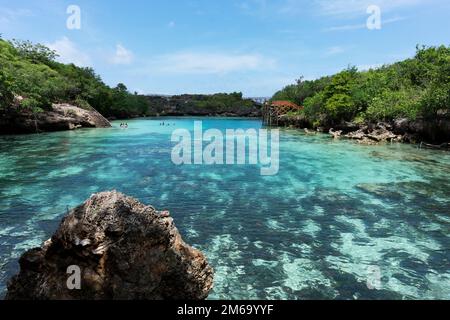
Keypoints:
(285, 103)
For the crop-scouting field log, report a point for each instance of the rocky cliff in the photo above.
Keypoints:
(123, 250)
(61, 117)
(435, 130)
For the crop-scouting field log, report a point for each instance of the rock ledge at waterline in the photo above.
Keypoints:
(124, 250)
(60, 117)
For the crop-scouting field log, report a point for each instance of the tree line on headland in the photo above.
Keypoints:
(414, 88)
(31, 80)
(30, 71)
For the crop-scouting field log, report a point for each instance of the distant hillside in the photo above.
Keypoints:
(220, 104)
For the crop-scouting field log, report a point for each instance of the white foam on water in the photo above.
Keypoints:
(311, 227)
(303, 274)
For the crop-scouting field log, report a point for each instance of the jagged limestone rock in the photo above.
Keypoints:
(60, 117)
(123, 249)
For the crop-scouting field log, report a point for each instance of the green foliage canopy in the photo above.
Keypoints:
(30, 71)
(417, 87)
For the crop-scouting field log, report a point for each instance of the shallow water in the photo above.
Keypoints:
(335, 211)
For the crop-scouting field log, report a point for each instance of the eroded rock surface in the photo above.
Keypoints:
(381, 132)
(61, 117)
(124, 250)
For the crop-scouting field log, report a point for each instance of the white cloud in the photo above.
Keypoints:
(363, 25)
(210, 63)
(9, 16)
(253, 7)
(122, 55)
(337, 8)
(351, 8)
(367, 67)
(332, 51)
(267, 9)
(347, 27)
(69, 53)
(293, 7)
(12, 14)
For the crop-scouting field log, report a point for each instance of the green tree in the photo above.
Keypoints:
(6, 94)
(36, 53)
(314, 109)
(390, 105)
(339, 103)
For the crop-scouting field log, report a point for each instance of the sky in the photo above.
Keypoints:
(205, 46)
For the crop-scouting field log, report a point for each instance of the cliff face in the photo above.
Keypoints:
(123, 249)
(201, 105)
(61, 117)
(436, 130)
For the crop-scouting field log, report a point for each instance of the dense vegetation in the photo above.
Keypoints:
(30, 71)
(224, 101)
(417, 87)
(203, 105)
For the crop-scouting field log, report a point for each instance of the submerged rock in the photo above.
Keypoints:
(123, 249)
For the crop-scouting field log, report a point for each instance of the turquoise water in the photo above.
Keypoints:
(335, 210)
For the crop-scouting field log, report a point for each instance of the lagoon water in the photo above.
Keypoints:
(337, 219)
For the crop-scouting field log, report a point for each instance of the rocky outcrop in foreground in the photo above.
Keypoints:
(123, 249)
(60, 118)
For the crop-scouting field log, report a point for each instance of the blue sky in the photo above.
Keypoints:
(207, 46)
